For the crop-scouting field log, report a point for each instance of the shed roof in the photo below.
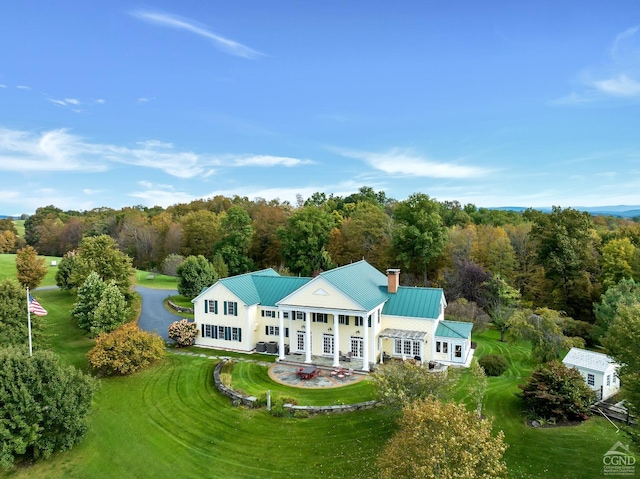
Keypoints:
(583, 358)
(454, 329)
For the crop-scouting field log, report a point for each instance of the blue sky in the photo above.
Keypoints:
(494, 103)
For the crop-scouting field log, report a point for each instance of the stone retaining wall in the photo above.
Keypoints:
(249, 401)
(180, 309)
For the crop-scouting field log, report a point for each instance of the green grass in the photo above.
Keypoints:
(8, 268)
(169, 421)
(253, 379)
(564, 452)
(156, 281)
(19, 224)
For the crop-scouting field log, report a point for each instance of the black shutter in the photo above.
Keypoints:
(239, 334)
(202, 330)
(215, 306)
(235, 309)
(206, 306)
(286, 332)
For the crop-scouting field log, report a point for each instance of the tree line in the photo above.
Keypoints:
(564, 259)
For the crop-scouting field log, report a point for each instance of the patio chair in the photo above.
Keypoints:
(347, 358)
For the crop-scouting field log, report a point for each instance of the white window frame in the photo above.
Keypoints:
(328, 343)
(591, 379)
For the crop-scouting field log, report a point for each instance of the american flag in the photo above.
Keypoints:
(35, 308)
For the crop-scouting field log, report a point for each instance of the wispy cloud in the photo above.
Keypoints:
(161, 195)
(3, 86)
(618, 77)
(269, 161)
(60, 150)
(100, 101)
(66, 102)
(621, 85)
(143, 100)
(402, 162)
(23, 87)
(225, 45)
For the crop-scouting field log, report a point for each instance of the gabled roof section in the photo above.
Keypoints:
(243, 285)
(272, 289)
(361, 282)
(414, 302)
(582, 358)
(454, 329)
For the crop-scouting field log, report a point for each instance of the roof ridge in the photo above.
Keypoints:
(250, 273)
(344, 266)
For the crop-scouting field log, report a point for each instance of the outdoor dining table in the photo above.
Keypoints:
(307, 372)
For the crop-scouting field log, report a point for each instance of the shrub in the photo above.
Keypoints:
(493, 364)
(44, 405)
(554, 390)
(183, 332)
(125, 350)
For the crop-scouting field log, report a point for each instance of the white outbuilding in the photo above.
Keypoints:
(599, 371)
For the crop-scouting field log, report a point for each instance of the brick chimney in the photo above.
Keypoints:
(393, 280)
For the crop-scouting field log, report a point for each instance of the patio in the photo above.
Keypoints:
(288, 374)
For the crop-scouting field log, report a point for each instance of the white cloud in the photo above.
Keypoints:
(619, 86)
(173, 21)
(572, 98)
(161, 195)
(268, 161)
(143, 100)
(23, 87)
(3, 86)
(100, 101)
(404, 162)
(57, 102)
(72, 101)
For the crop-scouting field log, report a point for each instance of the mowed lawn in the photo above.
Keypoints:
(170, 422)
(8, 268)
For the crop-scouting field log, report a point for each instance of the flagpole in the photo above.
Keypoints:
(29, 323)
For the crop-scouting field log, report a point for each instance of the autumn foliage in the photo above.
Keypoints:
(436, 439)
(126, 350)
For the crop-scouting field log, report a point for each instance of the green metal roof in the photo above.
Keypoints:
(244, 287)
(414, 302)
(361, 282)
(273, 289)
(454, 329)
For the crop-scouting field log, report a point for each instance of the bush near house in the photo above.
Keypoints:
(183, 332)
(554, 390)
(126, 350)
(493, 364)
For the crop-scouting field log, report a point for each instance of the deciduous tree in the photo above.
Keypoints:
(443, 440)
(554, 390)
(31, 268)
(621, 341)
(400, 383)
(126, 350)
(420, 235)
(111, 311)
(194, 274)
(88, 299)
(304, 240)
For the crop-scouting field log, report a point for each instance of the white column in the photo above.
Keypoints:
(307, 332)
(281, 335)
(365, 343)
(380, 348)
(422, 353)
(336, 342)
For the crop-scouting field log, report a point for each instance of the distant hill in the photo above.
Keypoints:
(622, 211)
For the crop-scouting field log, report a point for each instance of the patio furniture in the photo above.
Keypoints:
(308, 372)
(347, 358)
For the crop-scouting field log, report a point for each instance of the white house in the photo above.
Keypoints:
(353, 311)
(598, 370)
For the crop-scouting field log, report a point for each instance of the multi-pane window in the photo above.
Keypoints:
(285, 314)
(226, 333)
(320, 318)
(343, 319)
(232, 308)
(211, 306)
(300, 315)
(268, 314)
(327, 344)
(272, 330)
(357, 347)
(358, 321)
(445, 347)
(608, 379)
(591, 379)
(458, 351)
(438, 347)
(406, 347)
